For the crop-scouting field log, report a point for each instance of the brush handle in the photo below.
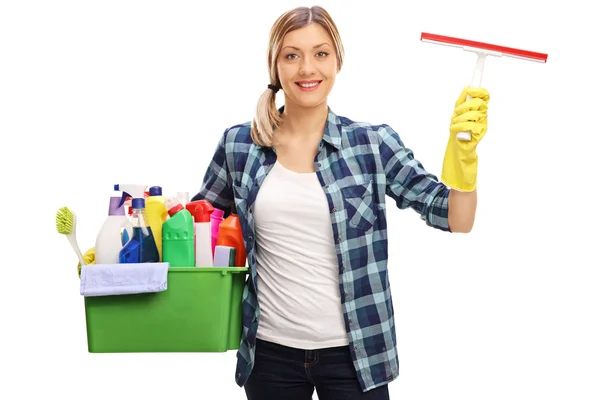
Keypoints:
(75, 247)
(475, 83)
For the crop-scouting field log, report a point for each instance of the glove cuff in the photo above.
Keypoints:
(459, 175)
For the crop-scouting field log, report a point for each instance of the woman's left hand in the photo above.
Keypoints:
(459, 169)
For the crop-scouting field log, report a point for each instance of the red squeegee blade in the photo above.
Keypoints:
(485, 46)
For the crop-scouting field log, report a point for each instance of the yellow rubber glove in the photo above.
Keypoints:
(89, 257)
(459, 170)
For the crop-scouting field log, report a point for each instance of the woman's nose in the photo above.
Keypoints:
(307, 67)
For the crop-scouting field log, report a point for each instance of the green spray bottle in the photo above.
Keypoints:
(178, 235)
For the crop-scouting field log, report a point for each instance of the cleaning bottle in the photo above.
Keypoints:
(127, 206)
(183, 197)
(156, 211)
(202, 233)
(108, 241)
(141, 247)
(215, 220)
(191, 207)
(230, 234)
(178, 235)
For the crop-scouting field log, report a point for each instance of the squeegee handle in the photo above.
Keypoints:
(475, 83)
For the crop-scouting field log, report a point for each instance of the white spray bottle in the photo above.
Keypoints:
(108, 241)
(202, 231)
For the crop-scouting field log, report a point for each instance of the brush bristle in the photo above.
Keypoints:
(64, 221)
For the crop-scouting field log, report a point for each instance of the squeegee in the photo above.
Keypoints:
(482, 50)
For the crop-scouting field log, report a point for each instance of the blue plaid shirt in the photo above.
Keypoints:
(357, 165)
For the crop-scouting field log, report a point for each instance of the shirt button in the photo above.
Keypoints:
(326, 186)
(339, 240)
(333, 209)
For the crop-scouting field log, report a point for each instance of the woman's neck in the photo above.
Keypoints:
(302, 121)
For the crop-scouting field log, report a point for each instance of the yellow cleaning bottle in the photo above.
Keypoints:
(156, 214)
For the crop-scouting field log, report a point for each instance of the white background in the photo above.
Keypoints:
(509, 311)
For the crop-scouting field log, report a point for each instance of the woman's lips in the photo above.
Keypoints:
(308, 86)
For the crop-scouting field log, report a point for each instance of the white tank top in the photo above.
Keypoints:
(298, 284)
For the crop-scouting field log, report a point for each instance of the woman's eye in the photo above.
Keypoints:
(293, 56)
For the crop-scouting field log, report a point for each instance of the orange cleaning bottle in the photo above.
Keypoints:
(230, 234)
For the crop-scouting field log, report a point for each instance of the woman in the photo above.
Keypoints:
(309, 187)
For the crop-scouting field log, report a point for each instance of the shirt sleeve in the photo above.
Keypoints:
(409, 184)
(216, 185)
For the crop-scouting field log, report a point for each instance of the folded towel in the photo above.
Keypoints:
(116, 279)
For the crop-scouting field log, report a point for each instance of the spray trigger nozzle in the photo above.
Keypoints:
(130, 190)
(124, 197)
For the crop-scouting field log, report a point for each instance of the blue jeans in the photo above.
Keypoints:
(286, 373)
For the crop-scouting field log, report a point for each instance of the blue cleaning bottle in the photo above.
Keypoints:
(124, 238)
(141, 247)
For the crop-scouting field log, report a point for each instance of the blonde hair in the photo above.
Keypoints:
(267, 117)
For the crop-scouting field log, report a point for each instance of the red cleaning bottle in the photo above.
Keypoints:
(230, 234)
(201, 210)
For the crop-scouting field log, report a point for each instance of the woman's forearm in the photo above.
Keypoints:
(461, 210)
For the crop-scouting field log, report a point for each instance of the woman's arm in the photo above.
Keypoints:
(216, 188)
(461, 210)
(409, 183)
(459, 170)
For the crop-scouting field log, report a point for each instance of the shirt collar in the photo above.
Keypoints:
(332, 133)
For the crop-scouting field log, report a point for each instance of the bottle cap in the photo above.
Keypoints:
(114, 208)
(191, 207)
(218, 213)
(202, 211)
(173, 206)
(155, 191)
(138, 203)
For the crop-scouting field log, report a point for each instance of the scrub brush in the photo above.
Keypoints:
(66, 221)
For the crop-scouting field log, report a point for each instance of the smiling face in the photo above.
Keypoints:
(307, 66)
